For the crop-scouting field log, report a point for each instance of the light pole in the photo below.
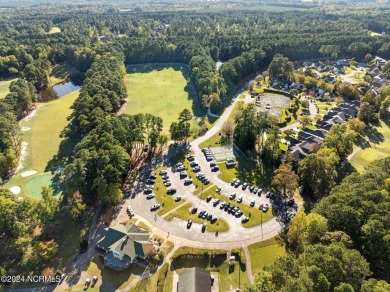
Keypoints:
(261, 223)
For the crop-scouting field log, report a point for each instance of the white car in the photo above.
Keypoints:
(232, 196)
(155, 207)
(252, 203)
(239, 199)
(218, 189)
(167, 183)
(265, 208)
(150, 196)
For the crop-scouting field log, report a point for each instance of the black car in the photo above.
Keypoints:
(209, 217)
(206, 182)
(153, 177)
(171, 191)
(215, 168)
(189, 223)
(251, 188)
(194, 210)
(151, 181)
(148, 190)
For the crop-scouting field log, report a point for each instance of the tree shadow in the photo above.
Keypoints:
(249, 171)
(373, 134)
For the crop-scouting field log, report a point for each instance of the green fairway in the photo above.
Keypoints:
(4, 87)
(163, 90)
(42, 133)
(379, 137)
(264, 253)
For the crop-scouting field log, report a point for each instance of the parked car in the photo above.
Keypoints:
(180, 168)
(268, 194)
(255, 190)
(213, 219)
(201, 213)
(208, 199)
(216, 202)
(232, 196)
(244, 219)
(222, 205)
(212, 164)
(190, 157)
(200, 174)
(163, 172)
(188, 181)
(155, 207)
(196, 169)
(130, 211)
(150, 196)
(252, 203)
(244, 186)
(178, 164)
(189, 223)
(237, 183)
(251, 188)
(265, 208)
(233, 181)
(148, 190)
(193, 210)
(209, 158)
(260, 192)
(215, 168)
(151, 181)
(261, 207)
(238, 213)
(209, 217)
(183, 174)
(206, 181)
(204, 216)
(204, 227)
(239, 199)
(165, 177)
(167, 183)
(193, 163)
(171, 191)
(218, 189)
(152, 177)
(177, 199)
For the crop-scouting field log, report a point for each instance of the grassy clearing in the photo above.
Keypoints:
(166, 201)
(54, 29)
(163, 90)
(183, 213)
(237, 107)
(43, 138)
(264, 253)
(116, 279)
(247, 171)
(255, 215)
(379, 137)
(4, 87)
(212, 141)
(214, 261)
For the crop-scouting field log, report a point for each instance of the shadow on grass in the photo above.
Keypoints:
(373, 134)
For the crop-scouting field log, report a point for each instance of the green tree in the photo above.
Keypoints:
(367, 113)
(318, 172)
(340, 138)
(285, 180)
(281, 66)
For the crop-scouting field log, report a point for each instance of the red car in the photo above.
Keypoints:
(261, 207)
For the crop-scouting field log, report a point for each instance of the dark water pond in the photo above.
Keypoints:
(58, 91)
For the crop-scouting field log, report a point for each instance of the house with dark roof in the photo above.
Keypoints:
(123, 245)
(194, 280)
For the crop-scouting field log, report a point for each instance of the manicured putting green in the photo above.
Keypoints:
(34, 186)
(163, 90)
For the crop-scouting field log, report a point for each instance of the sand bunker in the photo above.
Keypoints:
(29, 173)
(25, 129)
(23, 154)
(15, 190)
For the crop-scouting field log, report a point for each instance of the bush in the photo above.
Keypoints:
(161, 277)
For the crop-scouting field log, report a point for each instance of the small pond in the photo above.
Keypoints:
(58, 91)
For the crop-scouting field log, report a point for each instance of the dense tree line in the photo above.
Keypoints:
(342, 243)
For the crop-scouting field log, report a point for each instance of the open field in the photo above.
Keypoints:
(163, 90)
(247, 171)
(4, 87)
(379, 137)
(214, 261)
(43, 139)
(264, 253)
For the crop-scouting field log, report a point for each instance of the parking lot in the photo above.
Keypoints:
(177, 226)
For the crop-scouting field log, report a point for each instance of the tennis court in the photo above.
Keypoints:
(221, 153)
(274, 104)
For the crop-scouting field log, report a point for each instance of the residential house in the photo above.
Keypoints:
(342, 62)
(194, 280)
(380, 61)
(123, 245)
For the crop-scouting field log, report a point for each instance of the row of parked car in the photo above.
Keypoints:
(209, 158)
(254, 190)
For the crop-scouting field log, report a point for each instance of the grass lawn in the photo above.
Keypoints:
(248, 171)
(166, 201)
(183, 213)
(4, 87)
(163, 90)
(212, 141)
(116, 279)
(255, 215)
(264, 253)
(43, 138)
(237, 107)
(214, 261)
(347, 70)
(150, 283)
(379, 137)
